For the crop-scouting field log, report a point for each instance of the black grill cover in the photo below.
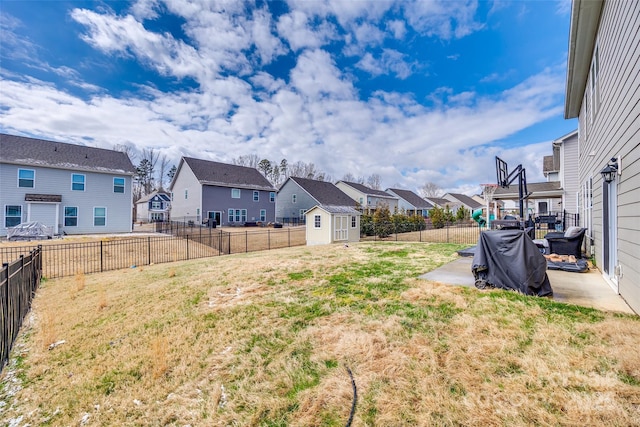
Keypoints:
(508, 259)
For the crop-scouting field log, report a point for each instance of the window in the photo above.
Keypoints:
(353, 222)
(235, 193)
(263, 215)
(77, 182)
(12, 215)
(99, 217)
(118, 185)
(237, 215)
(316, 221)
(156, 205)
(361, 200)
(256, 196)
(26, 178)
(186, 193)
(294, 198)
(70, 216)
(272, 196)
(301, 213)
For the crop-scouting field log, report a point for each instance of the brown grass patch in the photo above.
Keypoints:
(265, 338)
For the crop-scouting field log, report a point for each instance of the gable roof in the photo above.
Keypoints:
(440, 201)
(411, 198)
(325, 193)
(368, 191)
(20, 150)
(164, 196)
(225, 175)
(465, 200)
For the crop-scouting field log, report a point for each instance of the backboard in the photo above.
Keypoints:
(502, 173)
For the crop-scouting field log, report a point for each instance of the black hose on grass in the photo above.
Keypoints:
(355, 398)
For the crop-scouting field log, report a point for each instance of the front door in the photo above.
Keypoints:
(610, 232)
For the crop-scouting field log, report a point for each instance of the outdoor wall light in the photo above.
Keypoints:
(609, 172)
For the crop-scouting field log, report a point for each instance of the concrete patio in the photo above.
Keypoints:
(585, 289)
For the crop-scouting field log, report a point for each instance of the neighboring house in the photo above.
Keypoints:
(297, 195)
(461, 200)
(410, 202)
(562, 166)
(229, 194)
(153, 207)
(367, 198)
(603, 92)
(536, 191)
(73, 188)
(332, 224)
(443, 203)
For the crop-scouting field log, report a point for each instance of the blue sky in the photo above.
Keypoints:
(415, 91)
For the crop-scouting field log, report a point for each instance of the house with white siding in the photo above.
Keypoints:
(74, 189)
(603, 92)
(368, 199)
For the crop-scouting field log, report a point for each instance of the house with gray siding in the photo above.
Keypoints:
(603, 92)
(562, 167)
(461, 200)
(72, 188)
(410, 202)
(367, 198)
(297, 195)
(204, 190)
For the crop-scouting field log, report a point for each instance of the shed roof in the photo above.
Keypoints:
(25, 151)
(332, 209)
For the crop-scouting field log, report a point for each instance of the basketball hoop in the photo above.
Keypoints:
(487, 191)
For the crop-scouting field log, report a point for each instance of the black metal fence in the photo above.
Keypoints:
(464, 232)
(18, 283)
(67, 259)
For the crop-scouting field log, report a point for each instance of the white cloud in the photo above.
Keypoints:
(299, 32)
(442, 18)
(390, 62)
(397, 28)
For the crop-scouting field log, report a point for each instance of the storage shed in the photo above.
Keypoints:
(332, 224)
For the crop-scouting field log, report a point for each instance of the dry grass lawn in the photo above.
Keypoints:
(266, 338)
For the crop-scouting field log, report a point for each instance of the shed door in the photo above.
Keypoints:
(341, 228)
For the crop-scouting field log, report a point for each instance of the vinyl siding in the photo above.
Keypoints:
(615, 131)
(218, 199)
(98, 192)
(182, 208)
(285, 208)
(570, 178)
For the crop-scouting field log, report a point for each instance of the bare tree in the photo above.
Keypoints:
(374, 181)
(145, 170)
(249, 160)
(430, 189)
(127, 149)
(284, 169)
(164, 164)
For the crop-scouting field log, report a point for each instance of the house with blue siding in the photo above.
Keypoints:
(153, 207)
(204, 190)
(72, 188)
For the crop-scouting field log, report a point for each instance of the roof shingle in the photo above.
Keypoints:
(21, 150)
(412, 198)
(324, 192)
(225, 175)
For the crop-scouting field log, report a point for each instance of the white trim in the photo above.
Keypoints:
(34, 177)
(84, 181)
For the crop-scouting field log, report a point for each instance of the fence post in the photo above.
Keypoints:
(246, 241)
(101, 260)
(447, 233)
(187, 240)
(229, 243)
(268, 239)
(289, 236)
(149, 250)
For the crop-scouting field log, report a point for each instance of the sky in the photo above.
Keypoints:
(414, 91)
